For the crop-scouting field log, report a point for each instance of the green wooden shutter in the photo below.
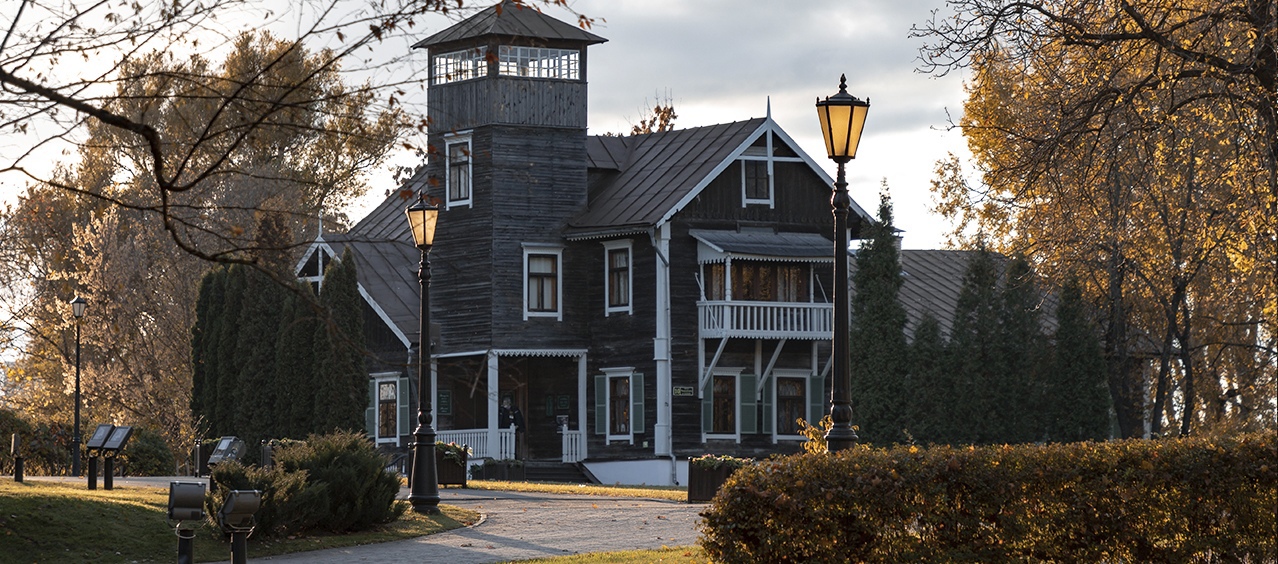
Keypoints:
(370, 414)
(749, 403)
(816, 400)
(707, 406)
(601, 405)
(405, 426)
(769, 417)
(636, 405)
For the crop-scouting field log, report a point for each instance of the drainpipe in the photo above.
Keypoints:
(663, 440)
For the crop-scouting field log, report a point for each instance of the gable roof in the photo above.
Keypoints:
(932, 281)
(385, 264)
(510, 19)
(658, 174)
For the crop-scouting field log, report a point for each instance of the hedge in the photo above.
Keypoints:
(1175, 500)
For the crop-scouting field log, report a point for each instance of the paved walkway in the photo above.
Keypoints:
(519, 526)
(515, 526)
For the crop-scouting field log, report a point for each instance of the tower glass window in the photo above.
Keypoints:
(537, 62)
(459, 65)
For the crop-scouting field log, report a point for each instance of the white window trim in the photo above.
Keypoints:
(609, 374)
(558, 252)
(777, 374)
(610, 246)
(458, 66)
(745, 201)
(735, 373)
(378, 379)
(449, 141)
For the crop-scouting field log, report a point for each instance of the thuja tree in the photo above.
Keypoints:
(931, 418)
(341, 383)
(973, 356)
(880, 355)
(1022, 349)
(275, 362)
(1076, 382)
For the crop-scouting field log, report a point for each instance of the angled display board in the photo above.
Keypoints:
(118, 437)
(99, 437)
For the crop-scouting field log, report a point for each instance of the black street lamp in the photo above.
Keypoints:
(77, 309)
(424, 494)
(842, 119)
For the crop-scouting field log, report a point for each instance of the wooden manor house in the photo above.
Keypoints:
(641, 300)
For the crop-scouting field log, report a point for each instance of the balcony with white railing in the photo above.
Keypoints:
(765, 320)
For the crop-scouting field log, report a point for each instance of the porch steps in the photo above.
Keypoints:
(550, 471)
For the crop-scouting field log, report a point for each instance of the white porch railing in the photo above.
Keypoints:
(477, 440)
(573, 446)
(766, 320)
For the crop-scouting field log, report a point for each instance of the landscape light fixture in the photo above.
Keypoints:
(423, 479)
(237, 517)
(186, 511)
(842, 119)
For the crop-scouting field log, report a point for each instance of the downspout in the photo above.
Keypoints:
(664, 439)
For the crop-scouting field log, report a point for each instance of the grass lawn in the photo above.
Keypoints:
(54, 522)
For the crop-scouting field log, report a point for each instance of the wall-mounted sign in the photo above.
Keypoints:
(684, 391)
(445, 404)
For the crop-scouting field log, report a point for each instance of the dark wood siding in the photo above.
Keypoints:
(461, 274)
(620, 340)
(539, 181)
(509, 101)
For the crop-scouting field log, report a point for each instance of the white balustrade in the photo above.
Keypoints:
(766, 320)
(573, 442)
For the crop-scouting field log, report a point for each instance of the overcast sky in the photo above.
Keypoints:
(721, 60)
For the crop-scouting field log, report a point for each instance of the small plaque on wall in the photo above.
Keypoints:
(684, 391)
(445, 404)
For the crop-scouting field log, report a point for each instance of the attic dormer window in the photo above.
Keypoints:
(537, 62)
(459, 65)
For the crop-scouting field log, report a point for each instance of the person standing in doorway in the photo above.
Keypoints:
(510, 416)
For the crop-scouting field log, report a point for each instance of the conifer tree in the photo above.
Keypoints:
(1076, 384)
(341, 378)
(259, 322)
(1022, 349)
(204, 339)
(973, 356)
(295, 368)
(932, 385)
(228, 357)
(880, 391)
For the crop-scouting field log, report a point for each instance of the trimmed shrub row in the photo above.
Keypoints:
(337, 483)
(1176, 500)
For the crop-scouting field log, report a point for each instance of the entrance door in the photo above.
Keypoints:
(545, 391)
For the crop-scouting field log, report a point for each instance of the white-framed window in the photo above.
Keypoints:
(458, 170)
(728, 404)
(387, 417)
(538, 62)
(543, 291)
(756, 182)
(788, 397)
(618, 276)
(619, 403)
(457, 66)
